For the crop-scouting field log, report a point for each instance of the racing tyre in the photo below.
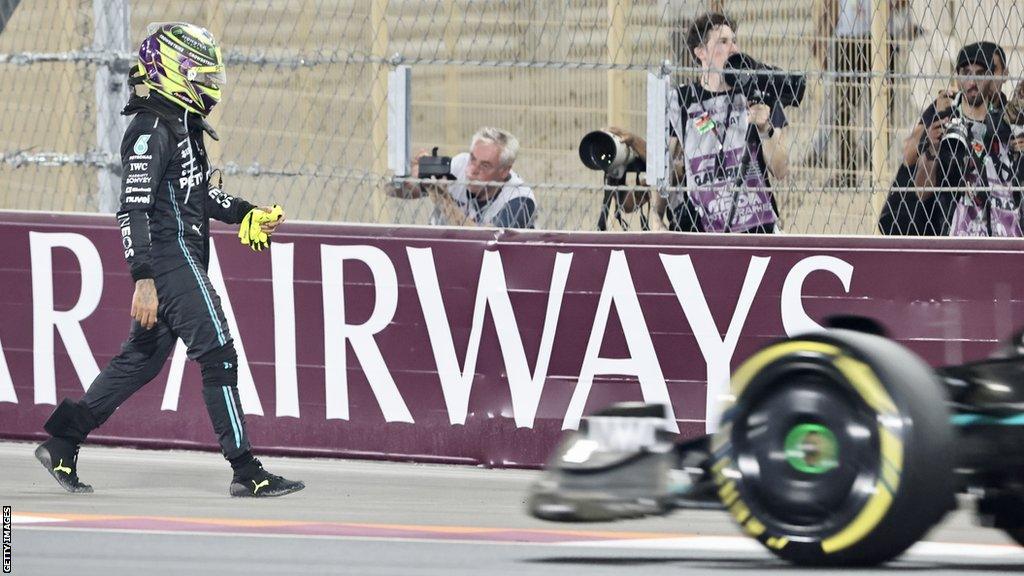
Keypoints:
(1017, 534)
(1004, 510)
(836, 450)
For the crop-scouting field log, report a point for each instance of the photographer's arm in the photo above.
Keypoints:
(409, 190)
(657, 220)
(912, 145)
(926, 175)
(776, 156)
(638, 144)
(922, 146)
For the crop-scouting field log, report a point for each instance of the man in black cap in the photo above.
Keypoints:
(961, 142)
(993, 59)
(978, 87)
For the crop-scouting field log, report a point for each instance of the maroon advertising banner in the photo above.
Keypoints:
(472, 346)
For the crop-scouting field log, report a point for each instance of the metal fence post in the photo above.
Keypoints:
(379, 99)
(880, 173)
(399, 111)
(619, 52)
(657, 128)
(112, 37)
(452, 77)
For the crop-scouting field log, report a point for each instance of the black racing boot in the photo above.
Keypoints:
(253, 481)
(60, 458)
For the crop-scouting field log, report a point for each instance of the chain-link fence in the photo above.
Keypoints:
(304, 118)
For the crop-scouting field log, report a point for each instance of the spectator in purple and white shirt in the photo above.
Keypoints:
(726, 168)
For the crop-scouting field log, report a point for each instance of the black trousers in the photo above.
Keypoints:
(189, 309)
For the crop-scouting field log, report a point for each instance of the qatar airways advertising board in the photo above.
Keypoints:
(472, 346)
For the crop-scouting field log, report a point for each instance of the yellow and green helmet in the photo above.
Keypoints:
(183, 62)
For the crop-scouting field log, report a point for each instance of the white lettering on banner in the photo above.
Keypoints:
(642, 362)
(717, 351)
(794, 319)
(68, 323)
(337, 331)
(286, 373)
(7, 393)
(492, 293)
(456, 379)
(177, 371)
(246, 386)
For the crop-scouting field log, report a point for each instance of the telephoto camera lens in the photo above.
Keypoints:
(604, 151)
(598, 150)
(954, 153)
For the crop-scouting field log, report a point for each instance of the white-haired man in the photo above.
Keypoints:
(485, 190)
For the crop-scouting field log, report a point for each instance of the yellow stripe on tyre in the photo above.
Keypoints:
(870, 389)
(863, 524)
(746, 372)
(863, 379)
(891, 448)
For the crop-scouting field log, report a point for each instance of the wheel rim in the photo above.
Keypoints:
(807, 450)
(811, 448)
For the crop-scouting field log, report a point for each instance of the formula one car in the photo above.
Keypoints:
(835, 448)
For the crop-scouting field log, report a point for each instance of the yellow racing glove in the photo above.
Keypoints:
(250, 232)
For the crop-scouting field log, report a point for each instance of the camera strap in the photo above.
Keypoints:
(706, 122)
(722, 134)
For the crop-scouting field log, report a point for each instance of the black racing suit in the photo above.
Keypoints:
(166, 203)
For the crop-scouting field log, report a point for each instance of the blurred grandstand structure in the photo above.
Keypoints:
(304, 117)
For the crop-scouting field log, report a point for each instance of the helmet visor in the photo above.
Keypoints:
(211, 76)
(153, 27)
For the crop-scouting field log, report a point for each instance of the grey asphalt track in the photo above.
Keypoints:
(168, 513)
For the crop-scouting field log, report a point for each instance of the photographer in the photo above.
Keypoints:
(969, 154)
(480, 189)
(619, 154)
(729, 143)
(912, 208)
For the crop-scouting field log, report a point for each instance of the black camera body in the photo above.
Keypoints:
(435, 166)
(762, 83)
(956, 136)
